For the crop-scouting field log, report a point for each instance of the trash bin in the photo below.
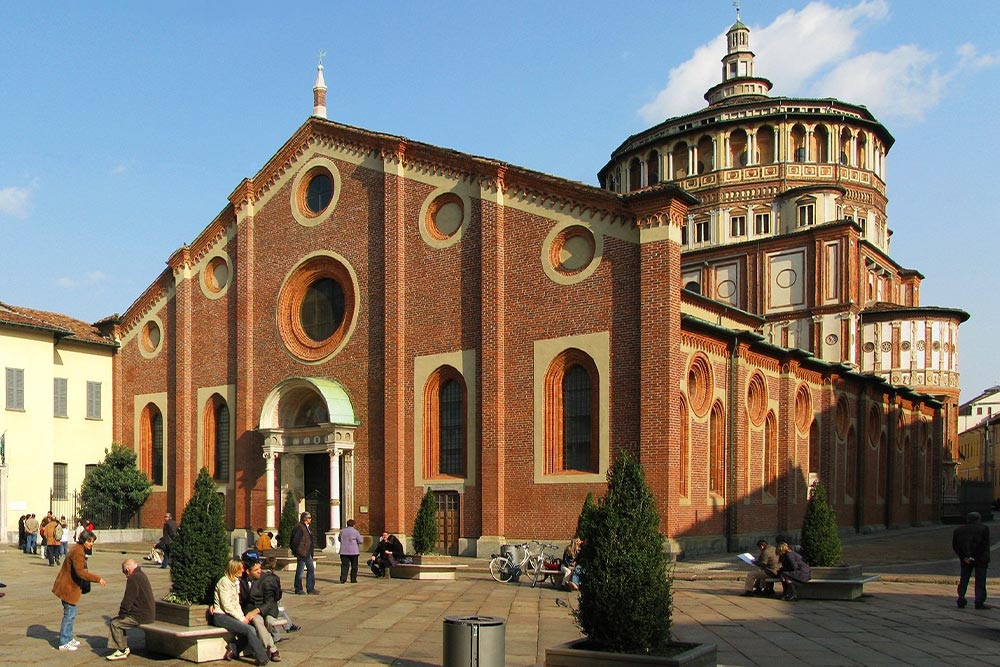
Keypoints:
(239, 546)
(474, 641)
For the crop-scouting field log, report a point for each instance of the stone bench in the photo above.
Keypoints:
(825, 587)
(438, 571)
(199, 643)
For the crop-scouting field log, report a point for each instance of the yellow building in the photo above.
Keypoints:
(57, 416)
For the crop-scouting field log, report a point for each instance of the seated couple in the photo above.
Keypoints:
(782, 563)
(246, 603)
(387, 553)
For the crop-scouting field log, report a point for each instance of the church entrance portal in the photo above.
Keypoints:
(317, 495)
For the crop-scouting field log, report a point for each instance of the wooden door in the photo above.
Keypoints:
(448, 521)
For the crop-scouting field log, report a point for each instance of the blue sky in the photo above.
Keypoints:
(125, 126)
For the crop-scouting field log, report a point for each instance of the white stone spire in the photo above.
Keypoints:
(319, 90)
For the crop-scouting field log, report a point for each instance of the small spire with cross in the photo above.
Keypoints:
(319, 89)
(736, 4)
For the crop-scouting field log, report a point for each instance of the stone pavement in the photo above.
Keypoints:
(909, 621)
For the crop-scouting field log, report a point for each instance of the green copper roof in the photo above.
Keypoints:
(337, 401)
(737, 26)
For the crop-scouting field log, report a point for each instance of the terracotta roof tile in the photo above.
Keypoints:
(62, 326)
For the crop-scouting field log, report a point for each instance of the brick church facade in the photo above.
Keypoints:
(370, 317)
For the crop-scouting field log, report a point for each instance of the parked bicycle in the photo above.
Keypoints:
(506, 566)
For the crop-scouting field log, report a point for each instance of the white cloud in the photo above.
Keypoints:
(969, 56)
(15, 201)
(86, 280)
(901, 83)
(793, 48)
(119, 169)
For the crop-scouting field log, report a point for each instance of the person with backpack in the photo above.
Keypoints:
(53, 541)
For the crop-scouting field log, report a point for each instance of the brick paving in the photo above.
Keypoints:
(911, 620)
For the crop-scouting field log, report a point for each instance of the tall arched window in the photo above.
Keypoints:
(635, 174)
(771, 455)
(814, 449)
(215, 438)
(221, 436)
(572, 413)
(444, 426)
(450, 428)
(883, 465)
(653, 168)
(717, 451)
(151, 443)
(907, 468)
(680, 160)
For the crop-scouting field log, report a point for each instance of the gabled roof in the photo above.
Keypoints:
(59, 325)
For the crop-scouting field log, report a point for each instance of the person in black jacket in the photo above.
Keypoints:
(259, 601)
(793, 569)
(387, 553)
(167, 538)
(138, 606)
(971, 543)
(301, 545)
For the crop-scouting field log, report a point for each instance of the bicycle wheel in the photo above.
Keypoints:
(501, 569)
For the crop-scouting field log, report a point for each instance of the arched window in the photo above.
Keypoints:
(845, 147)
(151, 443)
(814, 449)
(572, 413)
(635, 174)
(883, 465)
(907, 467)
(765, 145)
(653, 168)
(444, 424)
(706, 155)
(820, 144)
(680, 159)
(861, 148)
(738, 149)
(717, 451)
(215, 438)
(222, 442)
(798, 140)
(684, 467)
(771, 455)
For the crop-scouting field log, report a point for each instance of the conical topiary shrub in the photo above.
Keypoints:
(625, 593)
(583, 522)
(201, 548)
(820, 538)
(425, 526)
(289, 518)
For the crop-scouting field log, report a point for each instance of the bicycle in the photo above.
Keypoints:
(504, 569)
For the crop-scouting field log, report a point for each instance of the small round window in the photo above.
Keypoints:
(216, 275)
(319, 192)
(322, 309)
(573, 250)
(151, 336)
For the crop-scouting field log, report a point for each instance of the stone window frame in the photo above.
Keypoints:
(431, 440)
(464, 362)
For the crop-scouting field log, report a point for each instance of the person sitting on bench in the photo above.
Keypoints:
(388, 552)
(767, 561)
(794, 569)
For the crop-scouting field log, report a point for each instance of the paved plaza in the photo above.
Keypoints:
(910, 618)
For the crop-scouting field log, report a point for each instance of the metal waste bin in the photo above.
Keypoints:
(239, 546)
(474, 641)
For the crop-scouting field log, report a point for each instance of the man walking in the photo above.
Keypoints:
(167, 539)
(138, 606)
(971, 544)
(301, 545)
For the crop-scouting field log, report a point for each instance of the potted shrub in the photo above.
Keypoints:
(821, 546)
(289, 518)
(425, 532)
(198, 557)
(625, 592)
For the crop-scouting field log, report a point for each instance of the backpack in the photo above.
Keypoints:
(277, 584)
(59, 532)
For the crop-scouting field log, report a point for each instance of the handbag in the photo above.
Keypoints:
(85, 586)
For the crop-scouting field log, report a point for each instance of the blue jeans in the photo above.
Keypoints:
(245, 634)
(29, 545)
(310, 569)
(66, 629)
(963, 582)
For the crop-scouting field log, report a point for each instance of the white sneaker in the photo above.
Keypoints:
(74, 642)
(67, 647)
(119, 655)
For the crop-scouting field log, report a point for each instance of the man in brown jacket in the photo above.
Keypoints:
(52, 541)
(138, 606)
(67, 587)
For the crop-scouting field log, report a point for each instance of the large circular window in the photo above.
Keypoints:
(317, 307)
(319, 192)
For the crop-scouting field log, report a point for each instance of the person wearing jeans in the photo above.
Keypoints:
(67, 587)
(227, 613)
(301, 545)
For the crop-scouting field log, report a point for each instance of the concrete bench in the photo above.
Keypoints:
(201, 643)
(438, 571)
(824, 588)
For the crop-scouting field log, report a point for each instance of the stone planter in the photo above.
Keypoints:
(181, 614)
(573, 654)
(431, 559)
(840, 572)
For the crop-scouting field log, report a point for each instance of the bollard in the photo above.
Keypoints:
(474, 641)
(239, 546)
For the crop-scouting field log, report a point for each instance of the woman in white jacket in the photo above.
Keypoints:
(226, 613)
